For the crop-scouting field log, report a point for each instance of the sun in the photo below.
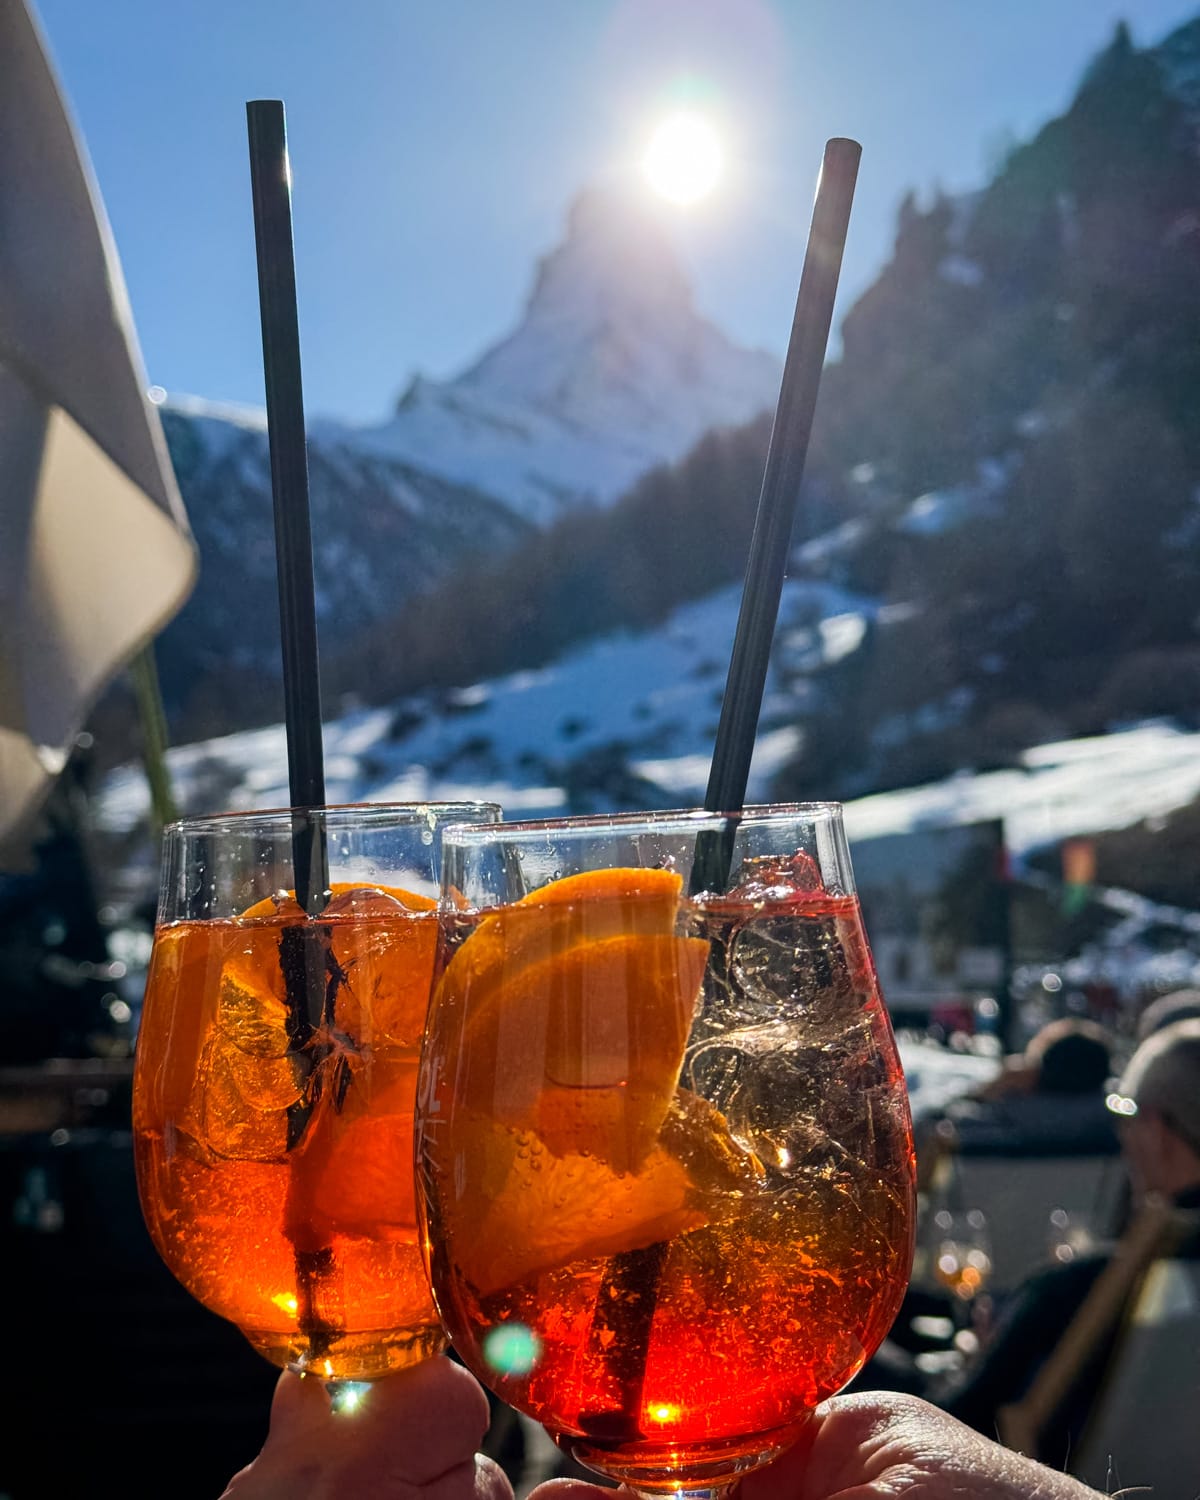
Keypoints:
(684, 158)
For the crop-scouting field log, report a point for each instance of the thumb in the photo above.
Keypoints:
(571, 1489)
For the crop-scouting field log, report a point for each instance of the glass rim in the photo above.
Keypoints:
(365, 812)
(683, 820)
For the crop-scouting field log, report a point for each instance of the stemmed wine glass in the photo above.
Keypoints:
(962, 1252)
(664, 1153)
(276, 1072)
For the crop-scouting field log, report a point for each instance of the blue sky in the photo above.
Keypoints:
(436, 145)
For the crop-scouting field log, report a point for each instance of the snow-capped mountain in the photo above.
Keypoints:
(610, 371)
(1021, 368)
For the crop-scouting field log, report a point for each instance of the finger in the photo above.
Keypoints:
(787, 1474)
(478, 1479)
(298, 1402)
(300, 1411)
(859, 1446)
(570, 1489)
(844, 1445)
(419, 1424)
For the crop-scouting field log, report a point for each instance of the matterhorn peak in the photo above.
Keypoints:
(615, 275)
(617, 256)
(610, 371)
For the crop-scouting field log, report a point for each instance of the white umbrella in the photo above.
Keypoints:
(95, 550)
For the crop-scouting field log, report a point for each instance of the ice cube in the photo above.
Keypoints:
(699, 1137)
(252, 1008)
(802, 1110)
(246, 1080)
(794, 968)
(240, 1102)
(716, 1066)
(362, 901)
(777, 877)
(381, 965)
(522, 1211)
(857, 1219)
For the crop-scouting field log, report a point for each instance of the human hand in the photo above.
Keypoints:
(877, 1445)
(413, 1435)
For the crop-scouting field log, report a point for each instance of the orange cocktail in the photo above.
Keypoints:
(275, 1083)
(664, 1144)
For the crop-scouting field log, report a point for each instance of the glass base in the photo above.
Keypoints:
(698, 1471)
(691, 1492)
(350, 1356)
(346, 1396)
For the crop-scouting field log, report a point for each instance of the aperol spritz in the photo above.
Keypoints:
(276, 1077)
(664, 1143)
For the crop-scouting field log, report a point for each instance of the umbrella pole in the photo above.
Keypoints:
(153, 720)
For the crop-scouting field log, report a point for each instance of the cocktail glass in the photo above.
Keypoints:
(665, 1164)
(962, 1259)
(275, 1079)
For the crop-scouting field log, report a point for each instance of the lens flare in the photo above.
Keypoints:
(512, 1349)
(662, 1412)
(683, 161)
(346, 1396)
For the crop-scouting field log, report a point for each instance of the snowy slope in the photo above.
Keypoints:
(650, 700)
(545, 742)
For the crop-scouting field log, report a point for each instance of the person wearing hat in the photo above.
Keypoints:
(1176, 1005)
(1157, 1109)
(1157, 1105)
(1047, 1102)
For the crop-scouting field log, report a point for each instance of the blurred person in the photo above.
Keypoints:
(1048, 1101)
(1157, 1109)
(1178, 1005)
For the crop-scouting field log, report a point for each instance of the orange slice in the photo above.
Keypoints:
(181, 1002)
(573, 1011)
(586, 1047)
(271, 906)
(529, 1211)
(576, 909)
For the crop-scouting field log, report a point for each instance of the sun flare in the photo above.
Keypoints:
(684, 158)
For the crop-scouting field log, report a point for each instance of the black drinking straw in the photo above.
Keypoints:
(620, 1333)
(769, 544)
(271, 182)
(303, 948)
